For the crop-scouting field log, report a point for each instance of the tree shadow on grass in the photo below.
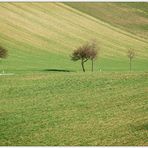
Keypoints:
(58, 70)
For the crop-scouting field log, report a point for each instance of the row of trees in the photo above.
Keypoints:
(84, 53)
(89, 51)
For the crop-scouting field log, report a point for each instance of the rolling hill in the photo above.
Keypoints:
(42, 35)
(132, 17)
(48, 100)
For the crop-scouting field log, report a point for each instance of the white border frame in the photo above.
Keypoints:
(73, 0)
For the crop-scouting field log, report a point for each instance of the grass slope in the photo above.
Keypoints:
(132, 17)
(48, 101)
(74, 109)
(41, 36)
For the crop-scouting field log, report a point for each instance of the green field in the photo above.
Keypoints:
(74, 109)
(48, 100)
(37, 34)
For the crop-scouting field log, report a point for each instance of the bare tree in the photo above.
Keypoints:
(3, 53)
(81, 53)
(93, 53)
(131, 55)
(84, 53)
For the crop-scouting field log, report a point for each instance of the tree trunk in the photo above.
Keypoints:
(92, 65)
(82, 63)
(130, 64)
(2, 65)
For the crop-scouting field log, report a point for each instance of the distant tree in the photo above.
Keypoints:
(81, 53)
(84, 53)
(131, 55)
(93, 53)
(3, 53)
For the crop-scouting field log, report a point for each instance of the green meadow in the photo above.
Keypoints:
(48, 100)
(74, 109)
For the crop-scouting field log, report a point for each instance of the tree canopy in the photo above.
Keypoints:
(84, 53)
(3, 52)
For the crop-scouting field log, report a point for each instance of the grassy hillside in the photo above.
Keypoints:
(48, 101)
(132, 17)
(41, 36)
(74, 109)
